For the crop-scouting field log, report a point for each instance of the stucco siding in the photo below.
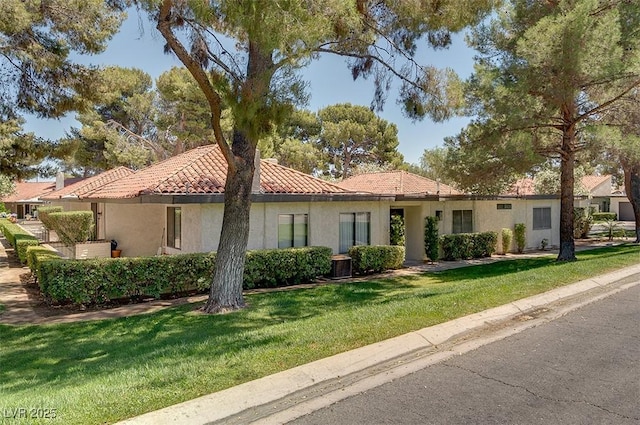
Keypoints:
(138, 228)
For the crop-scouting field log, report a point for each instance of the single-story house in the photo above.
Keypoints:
(26, 198)
(176, 206)
(418, 197)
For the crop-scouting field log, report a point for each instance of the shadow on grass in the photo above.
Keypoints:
(310, 302)
(499, 268)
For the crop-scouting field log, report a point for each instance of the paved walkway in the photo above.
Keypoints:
(23, 303)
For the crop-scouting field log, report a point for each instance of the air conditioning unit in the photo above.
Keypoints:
(340, 267)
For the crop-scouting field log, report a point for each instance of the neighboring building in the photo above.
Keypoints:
(27, 197)
(417, 197)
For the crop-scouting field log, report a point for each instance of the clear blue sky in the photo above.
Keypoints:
(139, 45)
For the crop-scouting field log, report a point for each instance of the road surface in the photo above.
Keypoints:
(583, 368)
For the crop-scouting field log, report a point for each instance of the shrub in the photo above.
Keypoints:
(461, 246)
(72, 227)
(18, 237)
(268, 268)
(96, 281)
(375, 258)
(396, 234)
(23, 242)
(506, 236)
(604, 216)
(582, 222)
(35, 254)
(520, 234)
(43, 215)
(431, 247)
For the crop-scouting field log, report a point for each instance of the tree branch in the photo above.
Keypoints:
(199, 74)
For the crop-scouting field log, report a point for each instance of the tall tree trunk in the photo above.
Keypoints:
(226, 288)
(567, 180)
(632, 188)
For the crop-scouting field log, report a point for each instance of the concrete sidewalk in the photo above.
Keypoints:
(284, 396)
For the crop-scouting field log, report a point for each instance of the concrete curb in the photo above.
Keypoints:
(232, 401)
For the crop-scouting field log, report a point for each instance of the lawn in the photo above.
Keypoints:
(104, 371)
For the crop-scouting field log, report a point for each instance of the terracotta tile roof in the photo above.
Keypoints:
(396, 183)
(90, 184)
(29, 191)
(591, 182)
(204, 170)
(33, 191)
(526, 186)
(275, 178)
(522, 187)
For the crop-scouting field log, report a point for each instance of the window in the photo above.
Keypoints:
(174, 227)
(504, 206)
(462, 221)
(355, 229)
(292, 230)
(542, 218)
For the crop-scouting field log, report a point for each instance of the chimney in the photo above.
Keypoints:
(255, 184)
(59, 180)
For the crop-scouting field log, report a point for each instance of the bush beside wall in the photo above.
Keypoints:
(367, 259)
(268, 268)
(72, 227)
(520, 234)
(431, 245)
(462, 246)
(43, 215)
(96, 281)
(506, 236)
(604, 216)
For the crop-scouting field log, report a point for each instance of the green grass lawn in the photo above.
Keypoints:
(104, 371)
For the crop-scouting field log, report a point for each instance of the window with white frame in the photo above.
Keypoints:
(462, 221)
(355, 229)
(541, 218)
(293, 230)
(174, 227)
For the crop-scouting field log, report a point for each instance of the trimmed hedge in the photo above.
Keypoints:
(506, 236)
(23, 243)
(97, 281)
(39, 253)
(43, 215)
(268, 268)
(604, 216)
(431, 247)
(72, 227)
(19, 238)
(462, 246)
(520, 234)
(376, 258)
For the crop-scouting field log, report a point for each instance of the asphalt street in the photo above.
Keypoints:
(582, 368)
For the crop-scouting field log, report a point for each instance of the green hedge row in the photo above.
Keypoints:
(375, 259)
(604, 216)
(268, 268)
(19, 238)
(468, 245)
(97, 281)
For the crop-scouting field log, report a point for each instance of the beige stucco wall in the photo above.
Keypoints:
(138, 228)
(263, 234)
(486, 217)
